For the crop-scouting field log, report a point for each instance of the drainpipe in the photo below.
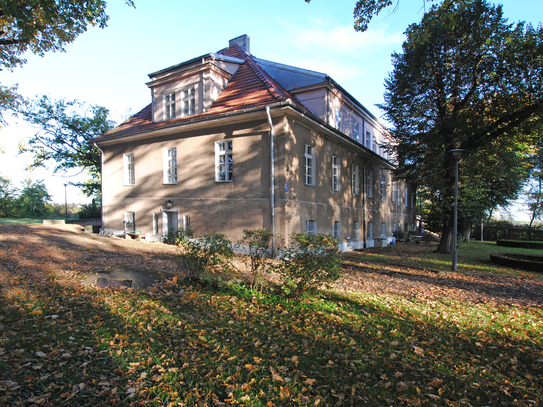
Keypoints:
(366, 202)
(272, 181)
(101, 182)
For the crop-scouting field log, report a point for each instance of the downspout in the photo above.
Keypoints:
(272, 181)
(101, 182)
(366, 202)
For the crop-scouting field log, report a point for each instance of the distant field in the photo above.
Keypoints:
(25, 221)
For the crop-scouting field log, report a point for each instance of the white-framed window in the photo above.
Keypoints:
(169, 159)
(337, 230)
(368, 140)
(356, 179)
(406, 198)
(393, 192)
(337, 118)
(399, 194)
(224, 161)
(335, 173)
(370, 231)
(374, 145)
(169, 106)
(356, 131)
(188, 102)
(383, 229)
(383, 188)
(309, 155)
(356, 232)
(129, 222)
(369, 184)
(311, 227)
(128, 169)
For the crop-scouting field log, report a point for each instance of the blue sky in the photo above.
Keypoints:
(109, 66)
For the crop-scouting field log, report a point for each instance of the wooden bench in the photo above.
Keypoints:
(137, 236)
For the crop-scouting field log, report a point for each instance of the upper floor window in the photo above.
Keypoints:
(188, 102)
(128, 169)
(369, 185)
(170, 165)
(224, 162)
(335, 173)
(356, 131)
(169, 106)
(406, 198)
(374, 145)
(368, 140)
(309, 156)
(337, 118)
(393, 192)
(356, 180)
(399, 194)
(383, 188)
(311, 227)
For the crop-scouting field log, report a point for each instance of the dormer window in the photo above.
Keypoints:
(187, 102)
(169, 106)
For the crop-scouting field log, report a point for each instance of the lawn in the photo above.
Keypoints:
(182, 344)
(473, 257)
(25, 221)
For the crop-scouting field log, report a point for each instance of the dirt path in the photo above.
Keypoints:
(68, 253)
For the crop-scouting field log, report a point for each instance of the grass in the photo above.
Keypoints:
(183, 344)
(473, 257)
(186, 345)
(25, 221)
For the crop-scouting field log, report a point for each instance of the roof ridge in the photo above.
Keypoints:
(272, 86)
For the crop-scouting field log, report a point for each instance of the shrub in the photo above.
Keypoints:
(204, 257)
(315, 260)
(526, 244)
(90, 211)
(519, 261)
(257, 259)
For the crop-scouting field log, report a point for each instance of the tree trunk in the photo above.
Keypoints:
(466, 233)
(446, 243)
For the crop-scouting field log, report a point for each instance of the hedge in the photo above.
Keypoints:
(524, 244)
(519, 261)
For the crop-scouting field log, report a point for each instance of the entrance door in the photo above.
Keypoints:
(170, 221)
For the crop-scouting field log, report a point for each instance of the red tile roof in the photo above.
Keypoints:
(250, 87)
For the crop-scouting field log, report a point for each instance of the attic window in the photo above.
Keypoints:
(169, 106)
(187, 102)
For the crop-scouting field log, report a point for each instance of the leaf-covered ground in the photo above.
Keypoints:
(390, 335)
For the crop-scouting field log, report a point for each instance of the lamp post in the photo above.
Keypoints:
(457, 153)
(66, 201)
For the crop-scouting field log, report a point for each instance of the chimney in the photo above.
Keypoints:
(244, 41)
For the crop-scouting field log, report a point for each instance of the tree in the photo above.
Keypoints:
(534, 194)
(365, 10)
(465, 79)
(32, 202)
(66, 131)
(8, 194)
(40, 26)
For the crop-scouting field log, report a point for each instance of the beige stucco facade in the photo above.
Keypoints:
(245, 202)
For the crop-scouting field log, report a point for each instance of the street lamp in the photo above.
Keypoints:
(66, 201)
(457, 153)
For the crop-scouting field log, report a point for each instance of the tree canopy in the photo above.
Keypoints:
(65, 131)
(466, 79)
(40, 26)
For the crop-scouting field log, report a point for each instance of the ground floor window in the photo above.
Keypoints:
(337, 230)
(356, 232)
(311, 227)
(129, 222)
(383, 229)
(370, 230)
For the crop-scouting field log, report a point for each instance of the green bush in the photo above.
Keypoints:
(519, 261)
(525, 244)
(258, 256)
(313, 261)
(203, 258)
(90, 211)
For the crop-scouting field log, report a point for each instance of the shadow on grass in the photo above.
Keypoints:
(187, 344)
